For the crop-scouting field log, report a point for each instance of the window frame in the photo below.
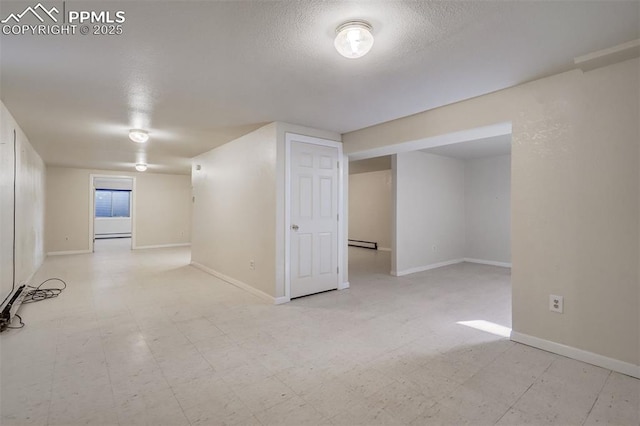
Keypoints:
(111, 191)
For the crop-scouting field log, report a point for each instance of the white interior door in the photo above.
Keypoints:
(314, 218)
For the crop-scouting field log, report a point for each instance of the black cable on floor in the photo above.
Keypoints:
(38, 294)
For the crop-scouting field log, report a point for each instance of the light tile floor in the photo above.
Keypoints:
(141, 338)
(111, 244)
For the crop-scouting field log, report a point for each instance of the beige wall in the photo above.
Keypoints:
(162, 213)
(238, 214)
(370, 207)
(375, 164)
(234, 211)
(429, 211)
(575, 199)
(163, 209)
(30, 186)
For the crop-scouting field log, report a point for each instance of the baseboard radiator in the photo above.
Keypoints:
(364, 244)
(113, 235)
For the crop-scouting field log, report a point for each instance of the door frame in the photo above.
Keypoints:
(92, 207)
(289, 139)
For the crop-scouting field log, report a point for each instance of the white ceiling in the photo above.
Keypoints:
(479, 148)
(198, 74)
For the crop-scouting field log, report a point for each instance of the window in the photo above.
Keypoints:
(113, 203)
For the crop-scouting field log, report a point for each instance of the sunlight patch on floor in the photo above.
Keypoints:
(489, 327)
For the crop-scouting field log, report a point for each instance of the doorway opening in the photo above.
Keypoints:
(447, 204)
(112, 208)
(370, 215)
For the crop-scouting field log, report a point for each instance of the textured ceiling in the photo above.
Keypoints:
(198, 74)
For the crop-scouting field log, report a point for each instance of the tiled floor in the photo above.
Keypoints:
(142, 338)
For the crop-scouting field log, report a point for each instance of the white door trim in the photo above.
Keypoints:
(92, 207)
(289, 138)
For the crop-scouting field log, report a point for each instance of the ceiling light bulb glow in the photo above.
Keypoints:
(138, 136)
(354, 39)
(141, 167)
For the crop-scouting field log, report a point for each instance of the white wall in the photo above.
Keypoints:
(109, 226)
(30, 187)
(162, 208)
(488, 209)
(575, 200)
(370, 207)
(450, 210)
(429, 212)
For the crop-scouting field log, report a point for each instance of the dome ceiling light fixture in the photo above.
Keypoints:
(138, 135)
(141, 167)
(354, 39)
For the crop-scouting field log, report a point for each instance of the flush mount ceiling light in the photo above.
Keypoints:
(354, 39)
(138, 136)
(141, 167)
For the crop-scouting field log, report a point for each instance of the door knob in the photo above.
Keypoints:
(295, 227)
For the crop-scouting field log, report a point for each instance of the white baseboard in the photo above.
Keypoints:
(578, 354)
(64, 253)
(244, 286)
(488, 262)
(281, 300)
(161, 246)
(384, 249)
(345, 285)
(426, 267)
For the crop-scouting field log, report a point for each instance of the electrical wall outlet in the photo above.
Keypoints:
(556, 303)
(252, 264)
